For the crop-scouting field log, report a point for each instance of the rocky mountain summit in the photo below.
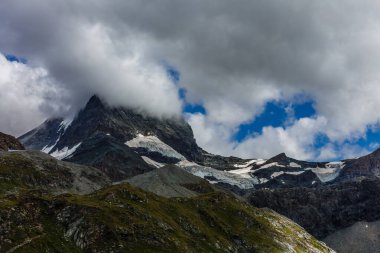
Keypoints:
(121, 123)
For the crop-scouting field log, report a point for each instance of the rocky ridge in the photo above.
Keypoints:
(325, 209)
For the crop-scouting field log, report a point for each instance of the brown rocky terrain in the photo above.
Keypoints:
(8, 142)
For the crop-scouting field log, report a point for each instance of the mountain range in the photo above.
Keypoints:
(48, 205)
(109, 160)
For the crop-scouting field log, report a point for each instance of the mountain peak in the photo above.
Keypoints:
(278, 158)
(85, 138)
(95, 102)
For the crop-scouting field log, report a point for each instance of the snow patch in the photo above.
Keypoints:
(260, 161)
(152, 162)
(263, 180)
(295, 165)
(242, 172)
(255, 161)
(47, 149)
(276, 174)
(65, 152)
(218, 176)
(65, 124)
(295, 172)
(153, 144)
(339, 165)
(279, 173)
(266, 166)
(329, 172)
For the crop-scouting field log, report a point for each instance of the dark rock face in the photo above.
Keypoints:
(305, 179)
(8, 142)
(102, 132)
(44, 135)
(366, 166)
(282, 171)
(285, 161)
(326, 209)
(280, 158)
(111, 156)
(125, 124)
(217, 162)
(156, 156)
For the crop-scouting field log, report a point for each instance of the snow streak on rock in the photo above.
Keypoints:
(153, 144)
(65, 152)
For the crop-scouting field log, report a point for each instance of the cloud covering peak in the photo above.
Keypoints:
(234, 57)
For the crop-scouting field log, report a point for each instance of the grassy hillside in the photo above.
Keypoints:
(36, 170)
(122, 218)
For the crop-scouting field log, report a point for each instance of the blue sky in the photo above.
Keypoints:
(13, 58)
(283, 114)
(276, 114)
(175, 76)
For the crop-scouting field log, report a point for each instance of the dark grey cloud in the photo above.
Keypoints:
(87, 55)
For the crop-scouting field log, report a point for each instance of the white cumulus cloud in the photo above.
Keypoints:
(233, 56)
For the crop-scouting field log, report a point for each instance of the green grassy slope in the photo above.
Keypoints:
(122, 218)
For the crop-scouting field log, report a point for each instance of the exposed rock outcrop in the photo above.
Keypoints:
(121, 218)
(8, 142)
(326, 209)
